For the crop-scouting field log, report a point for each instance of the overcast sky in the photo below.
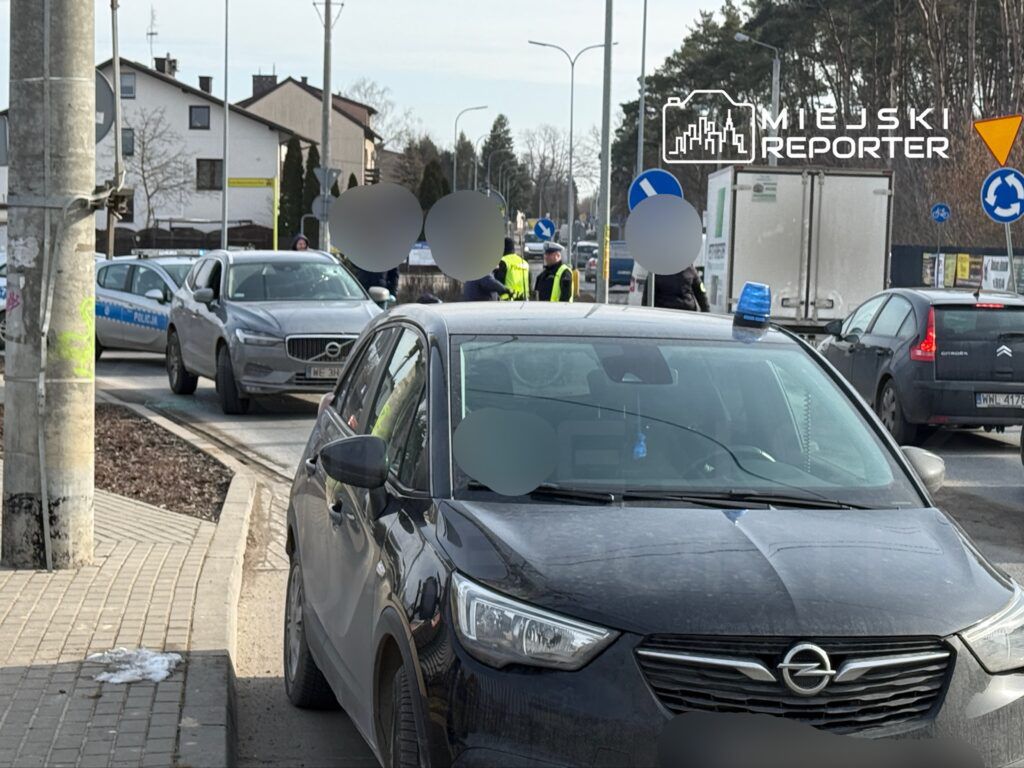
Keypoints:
(436, 56)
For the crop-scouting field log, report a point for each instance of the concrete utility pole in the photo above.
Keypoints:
(606, 160)
(227, 115)
(325, 128)
(49, 396)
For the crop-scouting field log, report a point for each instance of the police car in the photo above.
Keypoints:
(133, 300)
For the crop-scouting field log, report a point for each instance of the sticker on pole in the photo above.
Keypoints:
(1002, 195)
(545, 229)
(653, 182)
(941, 213)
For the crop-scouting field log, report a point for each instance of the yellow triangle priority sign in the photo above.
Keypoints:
(999, 133)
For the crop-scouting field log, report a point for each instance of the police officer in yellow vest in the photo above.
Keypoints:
(554, 283)
(514, 271)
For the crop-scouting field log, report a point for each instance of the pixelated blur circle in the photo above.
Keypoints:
(376, 225)
(466, 232)
(511, 452)
(664, 234)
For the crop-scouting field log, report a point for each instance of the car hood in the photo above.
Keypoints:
(769, 572)
(286, 318)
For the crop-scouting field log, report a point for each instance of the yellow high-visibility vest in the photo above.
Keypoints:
(517, 277)
(556, 289)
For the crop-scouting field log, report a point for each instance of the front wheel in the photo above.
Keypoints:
(303, 681)
(180, 380)
(891, 413)
(403, 742)
(231, 400)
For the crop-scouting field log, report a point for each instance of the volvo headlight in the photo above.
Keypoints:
(498, 631)
(257, 338)
(998, 642)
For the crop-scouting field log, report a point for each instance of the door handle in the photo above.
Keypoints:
(310, 464)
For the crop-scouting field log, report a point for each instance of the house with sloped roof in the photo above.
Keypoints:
(298, 105)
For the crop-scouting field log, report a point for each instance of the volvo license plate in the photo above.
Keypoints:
(999, 399)
(322, 372)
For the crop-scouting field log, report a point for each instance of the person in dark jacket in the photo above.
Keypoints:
(683, 290)
(369, 279)
(486, 288)
(554, 283)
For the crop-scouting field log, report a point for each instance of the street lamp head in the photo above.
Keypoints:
(740, 37)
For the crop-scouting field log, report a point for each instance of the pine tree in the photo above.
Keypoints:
(289, 220)
(310, 191)
(433, 187)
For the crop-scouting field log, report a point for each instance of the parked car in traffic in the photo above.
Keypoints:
(262, 322)
(133, 301)
(590, 275)
(934, 357)
(620, 266)
(534, 535)
(533, 246)
(582, 253)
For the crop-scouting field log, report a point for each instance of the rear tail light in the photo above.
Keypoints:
(925, 351)
(989, 306)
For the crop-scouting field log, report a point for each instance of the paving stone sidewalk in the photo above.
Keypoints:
(139, 592)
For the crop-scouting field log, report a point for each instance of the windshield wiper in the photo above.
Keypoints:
(739, 500)
(553, 491)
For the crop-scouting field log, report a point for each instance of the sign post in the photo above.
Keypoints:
(1002, 193)
(940, 215)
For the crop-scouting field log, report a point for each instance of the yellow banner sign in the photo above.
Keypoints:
(243, 182)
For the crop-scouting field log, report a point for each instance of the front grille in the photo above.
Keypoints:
(882, 696)
(314, 348)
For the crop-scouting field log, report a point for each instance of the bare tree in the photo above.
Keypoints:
(395, 126)
(159, 165)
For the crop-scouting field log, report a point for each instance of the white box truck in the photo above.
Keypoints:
(818, 236)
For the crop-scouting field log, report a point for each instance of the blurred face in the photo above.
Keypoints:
(552, 258)
(302, 245)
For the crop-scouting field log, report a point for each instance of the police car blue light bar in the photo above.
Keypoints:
(754, 307)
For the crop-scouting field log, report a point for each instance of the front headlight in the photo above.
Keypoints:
(498, 631)
(257, 338)
(998, 642)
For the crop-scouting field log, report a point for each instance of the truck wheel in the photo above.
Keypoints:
(891, 413)
(303, 681)
(231, 401)
(403, 742)
(181, 381)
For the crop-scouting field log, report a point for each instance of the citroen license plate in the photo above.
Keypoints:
(999, 399)
(322, 372)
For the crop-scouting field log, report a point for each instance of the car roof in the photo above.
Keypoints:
(577, 319)
(158, 260)
(962, 296)
(247, 257)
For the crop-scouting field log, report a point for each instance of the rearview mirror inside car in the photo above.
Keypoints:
(835, 328)
(360, 461)
(203, 295)
(156, 295)
(929, 467)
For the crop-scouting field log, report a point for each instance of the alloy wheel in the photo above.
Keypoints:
(294, 620)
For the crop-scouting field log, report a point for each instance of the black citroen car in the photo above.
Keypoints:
(539, 535)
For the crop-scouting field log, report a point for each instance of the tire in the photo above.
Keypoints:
(180, 380)
(231, 400)
(304, 683)
(890, 412)
(403, 743)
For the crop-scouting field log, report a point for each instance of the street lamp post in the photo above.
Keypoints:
(224, 163)
(741, 37)
(455, 146)
(570, 213)
(476, 162)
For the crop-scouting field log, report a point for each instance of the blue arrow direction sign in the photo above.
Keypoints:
(545, 229)
(1002, 195)
(653, 182)
(941, 213)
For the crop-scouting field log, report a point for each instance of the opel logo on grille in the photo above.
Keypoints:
(333, 349)
(806, 669)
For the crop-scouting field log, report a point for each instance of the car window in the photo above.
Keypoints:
(177, 272)
(669, 415)
(859, 321)
(114, 277)
(200, 274)
(891, 318)
(909, 328)
(414, 466)
(354, 396)
(145, 279)
(290, 280)
(398, 395)
(213, 279)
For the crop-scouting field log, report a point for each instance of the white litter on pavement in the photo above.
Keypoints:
(135, 666)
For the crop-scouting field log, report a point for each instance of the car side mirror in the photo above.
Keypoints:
(156, 295)
(835, 328)
(203, 295)
(929, 467)
(360, 461)
(379, 295)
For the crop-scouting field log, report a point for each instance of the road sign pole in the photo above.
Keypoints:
(1009, 255)
(277, 208)
(605, 197)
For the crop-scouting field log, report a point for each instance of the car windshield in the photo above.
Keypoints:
(177, 272)
(529, 237)
(289, 280)
(667, 416)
